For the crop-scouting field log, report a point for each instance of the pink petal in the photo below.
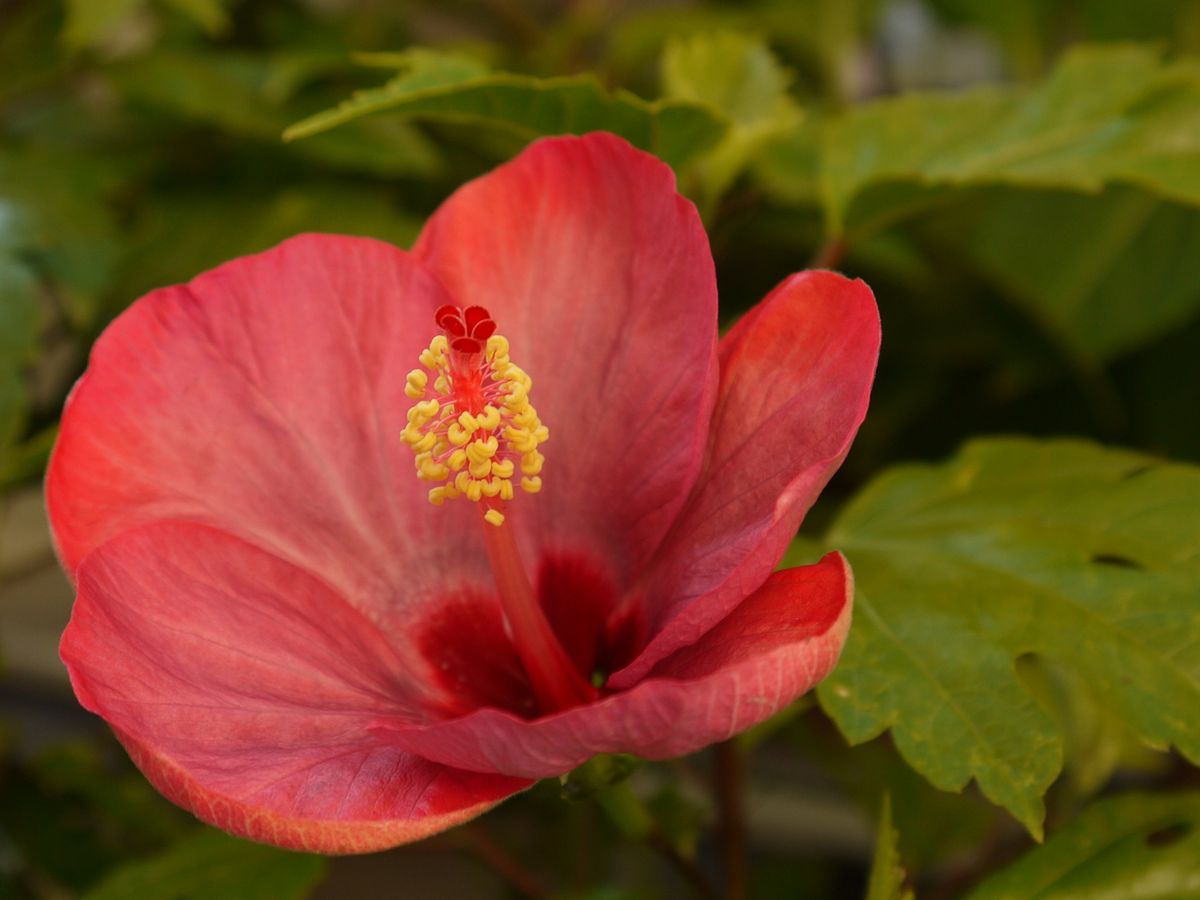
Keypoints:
(773, 647)
(796, 375)
(265, 398)
(243, 687)
(600, 276)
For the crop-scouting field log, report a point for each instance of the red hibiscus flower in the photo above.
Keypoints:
(295, 644)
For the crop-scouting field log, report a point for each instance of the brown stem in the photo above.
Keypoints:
(495, 857)
(731, 823)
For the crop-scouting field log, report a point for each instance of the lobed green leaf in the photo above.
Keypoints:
(1086, 556)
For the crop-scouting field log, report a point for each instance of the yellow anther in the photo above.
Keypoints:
(491, 487)
(531, 485)
(519, 395)
(531, 463)
(458, 435)
(434, 356)
(541, 434)
(489, 419)
(415, 384)
(474, 490)
(480, 469)
(485, 448)
(437, 495)
(425, 444)
(468, 421)
(495, 517)
(411, 434)
(461, 480)
(431, 470)
(458, 459)
(424, 411)
(503, 468)
(497, 345)
(442, 385)
(506, 489)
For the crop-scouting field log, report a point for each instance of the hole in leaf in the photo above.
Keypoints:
(1171, 834)
(1115, 559)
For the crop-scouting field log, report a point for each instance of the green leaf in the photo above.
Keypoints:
(886, 881)
(1135, 277)
(213, 864)
(738, 75)
(18, 309)
(208, 14)
(89, 21)
(1107, 113)
(189, 232)
(434, 87)
(14, 410)
(54, 214)
(1121, 848)
(1083, 555)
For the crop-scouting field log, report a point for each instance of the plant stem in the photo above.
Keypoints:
(731, 825)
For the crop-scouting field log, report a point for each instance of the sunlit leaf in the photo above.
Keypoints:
(1121, 848)
(213, 864)
(1080, 554)
(1106, 114)
(433, 88)
(737, 74)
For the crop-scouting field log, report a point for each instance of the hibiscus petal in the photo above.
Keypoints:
(774, 646)
(600, 276)
(796, 375)
(243, 688)
(266, 398)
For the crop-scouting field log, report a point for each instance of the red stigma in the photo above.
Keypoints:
(468, 329)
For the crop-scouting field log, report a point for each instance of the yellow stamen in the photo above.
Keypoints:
(472, 425)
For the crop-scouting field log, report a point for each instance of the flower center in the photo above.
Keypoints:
(471, 428)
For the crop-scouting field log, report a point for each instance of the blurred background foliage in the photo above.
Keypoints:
(1020, 184)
